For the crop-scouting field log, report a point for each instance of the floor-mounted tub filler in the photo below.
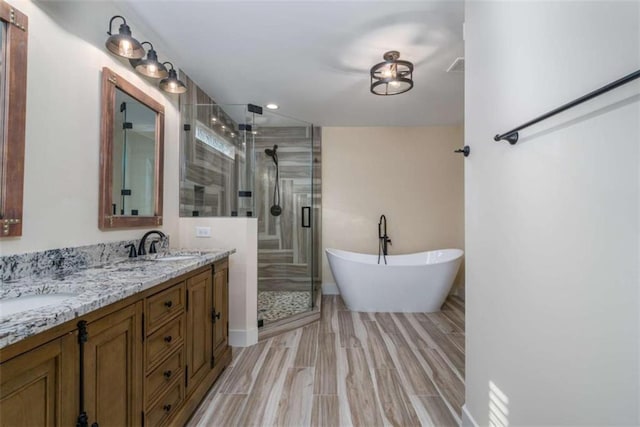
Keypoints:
(410, 283)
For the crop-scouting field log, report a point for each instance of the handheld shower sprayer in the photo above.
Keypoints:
(275, 210)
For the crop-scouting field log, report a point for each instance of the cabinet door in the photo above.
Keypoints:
(38, 387)
(221, 307)
(199, 311)
(113, 368)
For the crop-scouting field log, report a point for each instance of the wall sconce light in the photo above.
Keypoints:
(150, 66)
(171, 83)
(123, 44)
(393, 76)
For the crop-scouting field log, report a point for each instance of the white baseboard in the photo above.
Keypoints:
(330, 289)
(243, 337)
(467, 419)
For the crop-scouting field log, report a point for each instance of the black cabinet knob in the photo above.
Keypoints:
(167, 408)
(168, 304)
(168, 338)
(167, 374)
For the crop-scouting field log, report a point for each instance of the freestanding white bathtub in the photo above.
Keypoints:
(410, 283)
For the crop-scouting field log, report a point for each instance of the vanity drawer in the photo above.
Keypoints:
(164, 341)
(157, 381)
(165, 407)
(164, 305)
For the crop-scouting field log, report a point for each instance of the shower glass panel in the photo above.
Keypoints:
(217, 161)
(236, 162)
(284, 202)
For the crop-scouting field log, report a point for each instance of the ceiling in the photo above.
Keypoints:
(311, 57)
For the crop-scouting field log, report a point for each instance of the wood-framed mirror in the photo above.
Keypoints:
(13, 111)
(131, 155)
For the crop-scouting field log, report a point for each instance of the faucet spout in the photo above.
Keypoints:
(141, 247)
(383, 239)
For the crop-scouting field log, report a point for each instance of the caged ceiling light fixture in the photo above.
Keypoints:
(393, 76)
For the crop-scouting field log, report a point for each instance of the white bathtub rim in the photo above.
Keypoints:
(373, 258)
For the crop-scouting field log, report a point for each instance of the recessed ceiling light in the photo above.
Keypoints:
(224, 127)
(272, 106)
(213, 119)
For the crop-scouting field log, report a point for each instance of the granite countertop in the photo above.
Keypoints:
(92, 288)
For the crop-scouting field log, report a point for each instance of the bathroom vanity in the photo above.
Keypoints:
(138, 343)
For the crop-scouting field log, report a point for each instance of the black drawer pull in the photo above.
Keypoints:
(168, 304)
(168, 338)
(167, 374)
(166, 408)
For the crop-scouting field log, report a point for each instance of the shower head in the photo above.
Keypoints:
(271, 152)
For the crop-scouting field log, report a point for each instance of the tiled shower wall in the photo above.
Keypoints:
(208, 186)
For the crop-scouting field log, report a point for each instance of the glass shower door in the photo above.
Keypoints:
(284, 205)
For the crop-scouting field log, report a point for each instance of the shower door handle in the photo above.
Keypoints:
(306, 217)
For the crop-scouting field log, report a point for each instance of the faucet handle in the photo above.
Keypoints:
(152, 247)
(132, 250)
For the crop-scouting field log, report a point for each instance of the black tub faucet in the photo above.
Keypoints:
(141, 248)
(383, 239)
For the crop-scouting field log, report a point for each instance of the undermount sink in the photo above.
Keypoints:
(11, 306)
(176, 257)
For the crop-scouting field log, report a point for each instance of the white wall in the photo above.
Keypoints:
(241, 234)
(63, 133)
(410, 174)
(552, 223)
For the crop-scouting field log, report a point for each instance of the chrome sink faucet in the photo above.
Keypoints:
(152, 248)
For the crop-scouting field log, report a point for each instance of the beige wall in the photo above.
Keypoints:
(63, 135)
(410, 174)
(241, 234)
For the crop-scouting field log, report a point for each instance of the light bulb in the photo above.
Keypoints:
(172, 85)
(394, 83)
(152, 68)
(125, 47)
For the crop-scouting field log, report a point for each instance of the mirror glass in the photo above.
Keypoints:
(134, 157)
(131, 155)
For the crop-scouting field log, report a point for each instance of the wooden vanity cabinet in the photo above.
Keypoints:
(199, 328)
(34, 385)
(112, 368)
(148, 360)
(220, 308)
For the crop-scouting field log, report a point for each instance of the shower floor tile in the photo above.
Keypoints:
(276, 305)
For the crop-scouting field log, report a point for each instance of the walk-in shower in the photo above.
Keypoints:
(237, 161)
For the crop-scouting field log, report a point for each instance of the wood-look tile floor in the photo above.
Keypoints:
(361, 369)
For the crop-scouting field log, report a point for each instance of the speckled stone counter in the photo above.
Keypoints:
(93, 287)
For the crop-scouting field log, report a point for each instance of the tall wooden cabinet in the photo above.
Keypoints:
(147, 361)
